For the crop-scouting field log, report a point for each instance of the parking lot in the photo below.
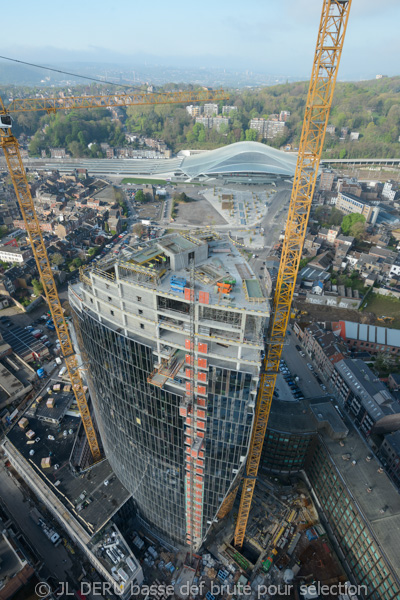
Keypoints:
(286, 387)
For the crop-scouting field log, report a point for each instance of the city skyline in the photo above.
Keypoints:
(280, 39)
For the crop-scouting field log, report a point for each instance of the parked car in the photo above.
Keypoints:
(309, 365)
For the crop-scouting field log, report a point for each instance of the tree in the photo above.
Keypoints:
(350, 220)
(57, 259)
(139, 196)
(75, 264)
(92, 251)
(138, 229)
(251, 135)
(182, 197)
(358, 230)
(37, 287)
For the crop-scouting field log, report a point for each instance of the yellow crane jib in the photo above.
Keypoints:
(332, 29)
(52, 105)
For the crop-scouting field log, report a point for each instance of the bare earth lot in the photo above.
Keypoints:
(199, 212)
(376, 307)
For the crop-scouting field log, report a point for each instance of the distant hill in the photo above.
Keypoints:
(10, 74)
(370, 108)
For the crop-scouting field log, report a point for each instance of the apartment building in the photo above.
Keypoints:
(226, 110)
(210, 109)
(371, 405)
(324, 347)
(213, 122)
(389, 453)
(390, 190)
(194, 110)
(267, 129)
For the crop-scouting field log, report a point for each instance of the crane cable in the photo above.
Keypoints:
(23, 62)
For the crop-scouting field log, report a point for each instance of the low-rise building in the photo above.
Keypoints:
(394, 382)
(84, 504)
(10, 254)
(326, 180)
(368, 338)
(329, 235)
(348, 203)
(324, 348)
(58, 153)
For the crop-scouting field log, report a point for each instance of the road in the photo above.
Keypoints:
(56, 560)
(298, 366)
(273, 223)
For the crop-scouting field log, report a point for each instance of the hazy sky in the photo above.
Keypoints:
(274, 36)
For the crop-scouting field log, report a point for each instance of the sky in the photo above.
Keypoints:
(270, 36)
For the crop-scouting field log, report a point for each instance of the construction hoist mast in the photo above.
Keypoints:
(332, 29)
(10, 147)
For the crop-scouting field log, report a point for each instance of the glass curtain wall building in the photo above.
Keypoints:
(354, 498)
(173, 374)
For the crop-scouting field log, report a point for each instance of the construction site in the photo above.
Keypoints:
(155, 470)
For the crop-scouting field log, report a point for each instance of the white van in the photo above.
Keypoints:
(62, 371)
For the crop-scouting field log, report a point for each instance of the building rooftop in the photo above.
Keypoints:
(381, 505)
(295, 417)
(23, 343)
(92, 496)
(163, 263)
(115, 555)
(327, 417)
(241, 157)
(314, 274)
(374, 395)
(394, 440)
(52, 402)
(369, 333)
(9, 563)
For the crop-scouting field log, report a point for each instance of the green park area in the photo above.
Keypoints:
(140, 180)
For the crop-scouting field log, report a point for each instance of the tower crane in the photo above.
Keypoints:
(10, 147)
(332, 29)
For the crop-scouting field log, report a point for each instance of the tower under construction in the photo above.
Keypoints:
(172, 336)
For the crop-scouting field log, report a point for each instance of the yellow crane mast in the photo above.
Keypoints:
(10, 147)
(332, 29)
